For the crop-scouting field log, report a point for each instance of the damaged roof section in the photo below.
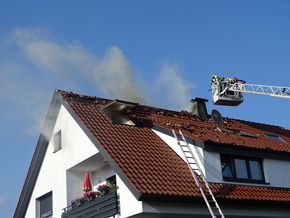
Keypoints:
(236, 133)
(117, 110)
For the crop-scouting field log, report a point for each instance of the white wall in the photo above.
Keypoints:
(277, 172)
(212, 165)
(76, 147)
(60, 171)
(128, 203)
(172, 143)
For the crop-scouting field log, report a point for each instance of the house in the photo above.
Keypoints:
(133, 146)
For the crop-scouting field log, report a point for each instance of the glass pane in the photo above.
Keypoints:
(256, 170)
(275, 137)
(226, 167)
(227, 171)
(241, 169)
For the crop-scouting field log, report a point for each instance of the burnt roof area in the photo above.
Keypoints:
(239, 133)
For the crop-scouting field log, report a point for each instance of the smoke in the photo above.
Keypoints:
(36, 64)
(112, 74)
(3, 201)
(174, 90)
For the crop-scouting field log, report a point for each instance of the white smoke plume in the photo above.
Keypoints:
(174, 91)
(38, 64)
(112, 74)
(4, 202)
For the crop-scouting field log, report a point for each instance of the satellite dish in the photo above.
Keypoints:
(217, 117)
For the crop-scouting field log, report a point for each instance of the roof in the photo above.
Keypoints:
(148, 166)
(153, 168)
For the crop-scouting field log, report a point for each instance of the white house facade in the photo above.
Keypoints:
(145, 164)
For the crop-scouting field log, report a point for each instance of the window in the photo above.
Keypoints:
(45, 205)
(275, 137)
(57, 141)
(243, 169)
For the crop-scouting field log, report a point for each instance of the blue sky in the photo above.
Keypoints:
(162, 53)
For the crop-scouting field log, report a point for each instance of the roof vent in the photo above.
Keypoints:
(116, 110)
(199, 108)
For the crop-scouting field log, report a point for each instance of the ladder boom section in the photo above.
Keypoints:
(275, 91)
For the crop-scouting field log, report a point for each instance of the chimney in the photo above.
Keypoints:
(199, 108)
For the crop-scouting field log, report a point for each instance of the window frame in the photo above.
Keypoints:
(45, 206)
(57, 141)
(275, 137)
(250, 178)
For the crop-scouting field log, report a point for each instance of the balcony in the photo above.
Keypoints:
(102, 207)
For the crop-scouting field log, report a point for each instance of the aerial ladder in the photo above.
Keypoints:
(229, 91)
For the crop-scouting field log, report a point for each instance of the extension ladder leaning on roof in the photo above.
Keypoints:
(196, 171)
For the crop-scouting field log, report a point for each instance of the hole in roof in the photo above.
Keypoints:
(116, 112)
(238, 132)
(275, 137)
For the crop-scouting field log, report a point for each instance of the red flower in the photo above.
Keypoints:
(103, 187)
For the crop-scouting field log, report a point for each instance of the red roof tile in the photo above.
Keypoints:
(152, 167)
(251, 192)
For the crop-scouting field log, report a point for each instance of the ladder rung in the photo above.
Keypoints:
(194, 168)
(188, 154)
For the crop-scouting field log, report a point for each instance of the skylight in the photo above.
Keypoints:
(275, 137)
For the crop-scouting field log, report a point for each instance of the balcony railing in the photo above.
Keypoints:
(101, 207)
